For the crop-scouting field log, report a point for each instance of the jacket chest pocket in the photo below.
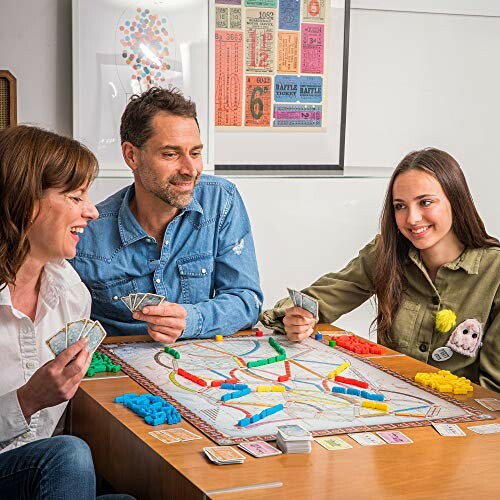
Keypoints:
(405, 324)
(196, 272)
(106, 298)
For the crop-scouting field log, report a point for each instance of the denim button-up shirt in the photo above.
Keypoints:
(206, 263)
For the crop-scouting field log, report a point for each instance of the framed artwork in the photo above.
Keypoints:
(279, 87)
(124, 47)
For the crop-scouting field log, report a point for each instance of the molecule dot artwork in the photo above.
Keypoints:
(146, 42)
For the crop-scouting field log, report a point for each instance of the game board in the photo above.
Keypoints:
(307, 398)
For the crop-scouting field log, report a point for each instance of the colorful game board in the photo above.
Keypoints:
(307, 397)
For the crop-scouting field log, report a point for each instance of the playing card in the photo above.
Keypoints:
(448, 429)
(224, 454)
(310, 304)
(292, 296)
(57, 343)
(164, 437)
(293, 431)
(86, 329)
(74, 330)
(394, 437)
(260, 449)
(485, 429)
(492, 404)
(126, 301)
(96, 336)
(366, 439)
(182, 434)
(149, 299)
(133, 297)
(333, 443)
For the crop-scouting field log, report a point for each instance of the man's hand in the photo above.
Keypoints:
(56, 381)
(299, 323)
(166, 321)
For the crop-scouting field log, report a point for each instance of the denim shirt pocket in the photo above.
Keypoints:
(404, 325)
(195, 273)
(106, 298)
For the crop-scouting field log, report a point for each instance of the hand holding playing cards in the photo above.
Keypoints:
(299, 323)
(56, 381)
(166, 321)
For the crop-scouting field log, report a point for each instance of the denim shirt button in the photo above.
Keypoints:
(166, 243)
(115, 297)
(203, 271)
(158, 280)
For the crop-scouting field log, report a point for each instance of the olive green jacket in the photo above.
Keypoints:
(469, 286)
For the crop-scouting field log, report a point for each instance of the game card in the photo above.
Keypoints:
(450, 430)
(366, 438)
(333, 443)
(182, 434)
(164, 437)
(224, 454)
(293, 431)
(260, 449)
(149, 299)
(485, 429)
(74, 330)
(57, 343)
(126, 301)
(492, 404)
(87, 328)
(96, 336)
(394, 437)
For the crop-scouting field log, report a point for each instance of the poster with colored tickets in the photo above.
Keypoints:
(274, 74)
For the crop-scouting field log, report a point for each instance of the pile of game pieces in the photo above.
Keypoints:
(292, 438)
(74, 331)
(154, 409)
(259, 449)
(445, 381)
(300, 299)
(138, 301)
(224, 455)
(101, 363)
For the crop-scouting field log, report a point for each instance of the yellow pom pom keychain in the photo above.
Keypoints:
(445, 320)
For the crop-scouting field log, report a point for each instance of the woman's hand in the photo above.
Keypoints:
(56, 381)
(299, 323)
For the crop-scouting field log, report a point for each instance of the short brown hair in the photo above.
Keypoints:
(33, 160)
(136, 119)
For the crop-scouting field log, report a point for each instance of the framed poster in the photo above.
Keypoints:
(124, 47)
(278, 91)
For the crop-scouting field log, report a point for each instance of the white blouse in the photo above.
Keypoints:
(62, 298)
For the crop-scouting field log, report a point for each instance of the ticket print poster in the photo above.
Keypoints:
(271, 64)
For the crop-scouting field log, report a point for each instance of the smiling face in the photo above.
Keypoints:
(169, 164)
(59, 218)
(422, 211)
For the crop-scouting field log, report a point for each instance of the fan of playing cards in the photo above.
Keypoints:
(300, 299)
(138, 301)
(74, 331)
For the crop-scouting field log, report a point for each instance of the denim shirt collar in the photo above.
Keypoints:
(130, 230)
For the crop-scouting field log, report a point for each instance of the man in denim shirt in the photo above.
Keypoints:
(174, 232)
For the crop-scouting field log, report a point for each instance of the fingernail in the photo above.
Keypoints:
(135, 315)
(146, 310)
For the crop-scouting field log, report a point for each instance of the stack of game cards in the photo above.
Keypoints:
(259, 449)
(74, 331)
(223, 455)
(292, 438)
(138, 301)
(300, 299)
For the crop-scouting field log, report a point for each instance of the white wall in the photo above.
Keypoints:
(306, 227)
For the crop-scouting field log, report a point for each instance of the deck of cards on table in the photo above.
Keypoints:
(300, 299)
(138, 301)
(222, 455)
(74, 331)
(292, 438)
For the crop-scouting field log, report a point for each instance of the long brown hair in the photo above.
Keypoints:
(393, 247)
(33, 160)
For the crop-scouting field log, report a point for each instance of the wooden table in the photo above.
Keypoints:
(135, 463)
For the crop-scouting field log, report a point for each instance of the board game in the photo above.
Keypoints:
(305, 391)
